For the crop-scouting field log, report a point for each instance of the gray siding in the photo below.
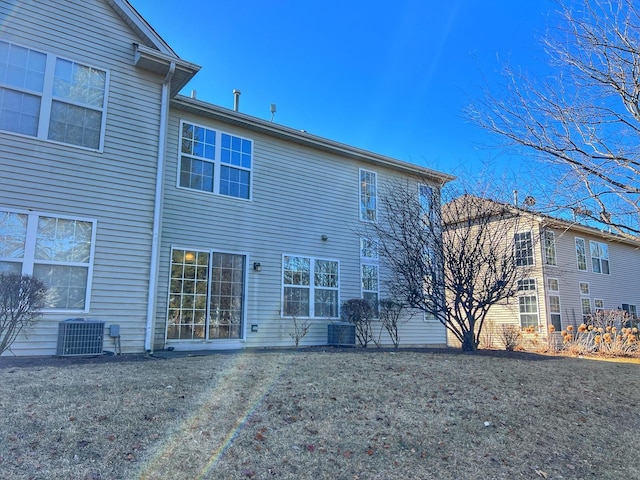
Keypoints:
(115, 187)
(299, 194)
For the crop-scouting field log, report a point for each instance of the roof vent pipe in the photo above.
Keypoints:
(194, 94)
(515, 198)
(236, 100)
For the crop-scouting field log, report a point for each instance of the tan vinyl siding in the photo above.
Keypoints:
(298, 195)
(114, 187)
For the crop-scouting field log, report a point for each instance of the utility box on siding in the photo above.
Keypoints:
(341, 334)
(79, 337)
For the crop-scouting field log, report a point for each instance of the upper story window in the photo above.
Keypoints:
(549, 239)
(581, 254)
(51, 98)
(599, 257)
(368, 196)
(215, 162)
(310, 287)
(56, 250)
(523, 245)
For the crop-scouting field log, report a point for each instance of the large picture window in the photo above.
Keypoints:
(310, 287)
(206, 295)
(52, 98)
(214, 161)
(58, 251)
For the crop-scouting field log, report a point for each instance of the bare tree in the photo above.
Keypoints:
(453, 263)
(584, 119)
(21, 300)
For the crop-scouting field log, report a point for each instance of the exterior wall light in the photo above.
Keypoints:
(324, 238)
(257, 267)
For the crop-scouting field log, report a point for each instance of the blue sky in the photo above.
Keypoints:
(389, 77)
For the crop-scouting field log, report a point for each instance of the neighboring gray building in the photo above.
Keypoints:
(187, 224)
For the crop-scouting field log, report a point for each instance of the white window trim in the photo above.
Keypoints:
(28, 262)
(245, 303)
(369, 261)
(600, 259)
(217, 163)
(46, 97)
(544, 248)
(598, 309)
(311, 286)
(360, 170)
(588, 292)
(533, 251)
(586, 256)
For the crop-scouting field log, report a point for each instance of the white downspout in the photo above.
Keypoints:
(157, 210)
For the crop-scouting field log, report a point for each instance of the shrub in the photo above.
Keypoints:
(300, 329)
(21, 300)
(603, 333)
(359, 312)
(510, 336)
(390, 314)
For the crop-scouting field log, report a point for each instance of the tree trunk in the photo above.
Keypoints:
(469, 343)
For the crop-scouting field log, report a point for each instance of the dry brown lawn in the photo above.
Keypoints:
(320, 414)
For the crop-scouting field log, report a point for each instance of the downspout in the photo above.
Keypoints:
(157, 209)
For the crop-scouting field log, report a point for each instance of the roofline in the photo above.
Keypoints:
(136, 21)
(569, 225)
(301, 137)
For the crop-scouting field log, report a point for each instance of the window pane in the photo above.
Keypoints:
(21, 67)
(75, 125)
(79, 84)
(196, 174)
(234, 182)
(368, 248)
(227, 294)
(63, 240)
(325, 273)
(581, 254)
(188, 294)
(297, 270)
(13, 232)
(67, 285)
(19, 112)
(370, 277)
(368, 196)
(523, 248)
(296, 302)
(550, 248)
(326, 303)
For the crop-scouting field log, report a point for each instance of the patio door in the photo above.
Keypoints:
(206, 295)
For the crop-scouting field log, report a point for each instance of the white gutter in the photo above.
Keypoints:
(157, 210)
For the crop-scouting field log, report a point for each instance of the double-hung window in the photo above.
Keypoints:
(368, 196)
(215, 162)
(523, 244)
(553, 286)
(310, 287)
(369, 272)
(599, 257)
(581, 254)
(56, 250)
(528, 303)
(630, 309)
(52, 98)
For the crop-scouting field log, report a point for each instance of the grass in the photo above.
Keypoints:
(321, 414)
